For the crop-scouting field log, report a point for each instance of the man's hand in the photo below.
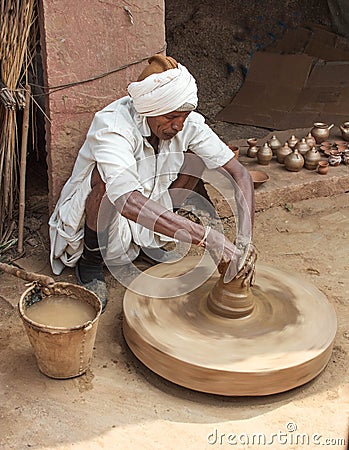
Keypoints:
(224, 252)
(248, 266)
(235, 261)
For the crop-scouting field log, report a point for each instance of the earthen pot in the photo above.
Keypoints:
(264, 155)
(311, 159)
(320, 131)
(345, 158)
(252, 142)
(252, 148)
(302, 147)
(274, 144)
(345, 130)
(334, 159)
(258, 177)
(294, 161)
(326, 146)
(341, 147)
(310, 140)
(322, 167)
(235, 150)
(282, 153)
(252, 152)
(292, 141)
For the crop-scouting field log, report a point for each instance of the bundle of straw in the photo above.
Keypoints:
(16, 20)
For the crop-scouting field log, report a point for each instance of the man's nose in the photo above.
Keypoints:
(177, 125)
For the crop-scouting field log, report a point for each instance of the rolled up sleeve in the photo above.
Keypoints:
(207, 145)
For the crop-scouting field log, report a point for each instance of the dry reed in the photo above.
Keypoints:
(16, 20)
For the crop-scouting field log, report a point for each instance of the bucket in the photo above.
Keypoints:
(61, 352)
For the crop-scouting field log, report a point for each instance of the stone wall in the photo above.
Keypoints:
(87, 41)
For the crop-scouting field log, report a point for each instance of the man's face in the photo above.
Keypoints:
(167, 126)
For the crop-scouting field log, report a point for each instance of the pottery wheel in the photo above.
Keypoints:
(284, 342)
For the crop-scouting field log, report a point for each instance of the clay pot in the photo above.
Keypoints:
(294, 161)
(252, 142)
(235, 150)
(258, 177)
(252, 152)
(322, 167)
(311, 159)
(252, 148)
(341, 147)
(345, 158)
(264, 155)
(310, 140)
(334, 159)
(274, 144)
(282, 153)
(292, 141)
(302, 147)
(345, 130)
(326, 146)
(320, 131)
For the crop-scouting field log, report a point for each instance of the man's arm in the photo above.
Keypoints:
(244, 195)
(245, 200)
(150, 214)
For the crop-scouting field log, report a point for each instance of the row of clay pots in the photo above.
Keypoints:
(294, 158)
(318, 134)
(275, 145)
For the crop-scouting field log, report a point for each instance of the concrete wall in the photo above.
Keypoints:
(81, 40)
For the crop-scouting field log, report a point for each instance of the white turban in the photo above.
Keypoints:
(161, 93)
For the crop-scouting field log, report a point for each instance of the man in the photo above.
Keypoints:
(136, 158)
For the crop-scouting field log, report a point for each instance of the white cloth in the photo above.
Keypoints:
(117, 143)
(161, 93)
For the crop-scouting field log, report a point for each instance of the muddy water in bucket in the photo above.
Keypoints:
(61, 324)
(61, 311)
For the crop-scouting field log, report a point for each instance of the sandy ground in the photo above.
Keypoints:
(120, 404)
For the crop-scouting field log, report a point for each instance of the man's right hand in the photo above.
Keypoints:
(232, 261)
(224, 252)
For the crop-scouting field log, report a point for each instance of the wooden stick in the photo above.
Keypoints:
(23, 167)
(27, 276)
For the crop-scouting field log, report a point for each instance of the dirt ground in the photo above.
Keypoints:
(120, 404)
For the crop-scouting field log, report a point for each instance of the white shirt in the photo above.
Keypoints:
(117, 143)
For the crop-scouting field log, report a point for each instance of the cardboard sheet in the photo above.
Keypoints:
(314, 41)
(284, 91)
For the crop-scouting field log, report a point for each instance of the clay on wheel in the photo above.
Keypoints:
(284, 342)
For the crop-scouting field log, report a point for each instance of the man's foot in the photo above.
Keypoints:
(92, 278)
(155, 256)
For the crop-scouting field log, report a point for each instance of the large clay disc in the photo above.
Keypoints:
(285, 342)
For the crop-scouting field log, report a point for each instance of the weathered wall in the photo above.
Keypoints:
(81, 40)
